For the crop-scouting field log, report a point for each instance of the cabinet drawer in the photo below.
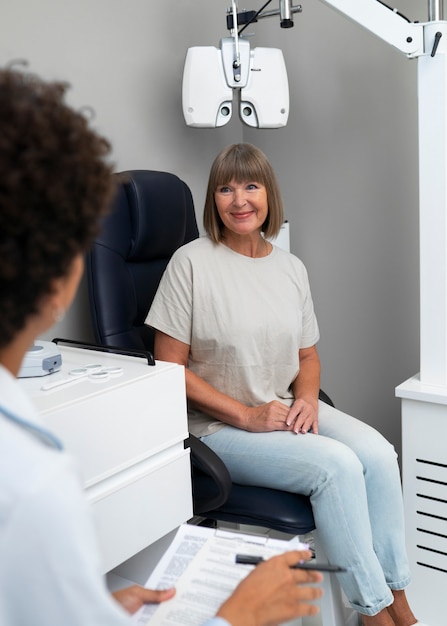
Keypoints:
(137, 510)
(116, 426)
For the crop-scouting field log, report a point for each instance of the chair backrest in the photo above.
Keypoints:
(152, 215)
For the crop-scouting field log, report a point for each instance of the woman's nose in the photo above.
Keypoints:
(239, 197)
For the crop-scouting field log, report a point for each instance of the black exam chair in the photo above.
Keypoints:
(152, 215)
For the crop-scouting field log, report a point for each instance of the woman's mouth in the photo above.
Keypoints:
(242, 215)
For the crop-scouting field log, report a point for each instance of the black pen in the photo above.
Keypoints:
(247, 559)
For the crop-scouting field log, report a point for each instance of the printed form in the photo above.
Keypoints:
(200, 564)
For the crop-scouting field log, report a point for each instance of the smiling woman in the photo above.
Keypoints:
(237, 312)
(243, 210)
(242, 166)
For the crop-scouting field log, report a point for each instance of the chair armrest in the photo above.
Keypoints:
(325, 398)
(211, 481)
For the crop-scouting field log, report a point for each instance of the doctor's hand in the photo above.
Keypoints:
(273, 593)
(133, 598)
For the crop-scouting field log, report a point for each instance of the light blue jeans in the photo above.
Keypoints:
(352, 477)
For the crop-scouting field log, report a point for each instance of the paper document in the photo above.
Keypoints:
(200, 563)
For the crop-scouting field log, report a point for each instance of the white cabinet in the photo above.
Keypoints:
(424, 469)
(127, 433)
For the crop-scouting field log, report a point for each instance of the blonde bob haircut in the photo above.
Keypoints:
(243, 163)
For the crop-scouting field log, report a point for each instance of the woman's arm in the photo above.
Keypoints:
(201, 395)
(303, 414)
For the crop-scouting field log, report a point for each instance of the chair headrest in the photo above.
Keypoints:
(150, 217)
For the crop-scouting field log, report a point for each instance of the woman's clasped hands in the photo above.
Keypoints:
(301, 417)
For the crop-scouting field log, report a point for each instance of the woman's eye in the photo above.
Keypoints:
(224, 190)
(252, 186)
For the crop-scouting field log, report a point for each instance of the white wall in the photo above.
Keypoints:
(347, 161)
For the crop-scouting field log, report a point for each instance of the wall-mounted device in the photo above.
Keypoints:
(215, 80)
(210, 79)
(257, 79)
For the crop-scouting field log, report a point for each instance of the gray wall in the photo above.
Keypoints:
(348, 166)
(347, 161)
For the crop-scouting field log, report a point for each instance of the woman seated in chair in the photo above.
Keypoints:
(237, 312)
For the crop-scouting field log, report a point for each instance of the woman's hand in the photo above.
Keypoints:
(303, 416)
(266, 417)
(133, 598)
(273, 593)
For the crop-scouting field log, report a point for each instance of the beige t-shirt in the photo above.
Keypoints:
(244, 319)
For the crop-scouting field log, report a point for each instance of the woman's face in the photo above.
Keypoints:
(242, 207)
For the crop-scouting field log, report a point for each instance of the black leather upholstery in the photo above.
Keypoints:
(152, 215)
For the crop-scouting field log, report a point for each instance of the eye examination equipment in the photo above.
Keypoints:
(211, 77)
(42, 358)
(216, 80)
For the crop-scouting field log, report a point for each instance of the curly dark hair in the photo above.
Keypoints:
(55, 183)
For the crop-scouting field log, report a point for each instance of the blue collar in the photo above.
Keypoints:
(41, 433)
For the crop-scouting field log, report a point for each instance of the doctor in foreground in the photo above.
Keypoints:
(55, 183)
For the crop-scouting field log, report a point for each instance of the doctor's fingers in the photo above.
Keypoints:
(290, 602)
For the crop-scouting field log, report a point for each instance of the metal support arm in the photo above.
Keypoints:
(383, 22)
